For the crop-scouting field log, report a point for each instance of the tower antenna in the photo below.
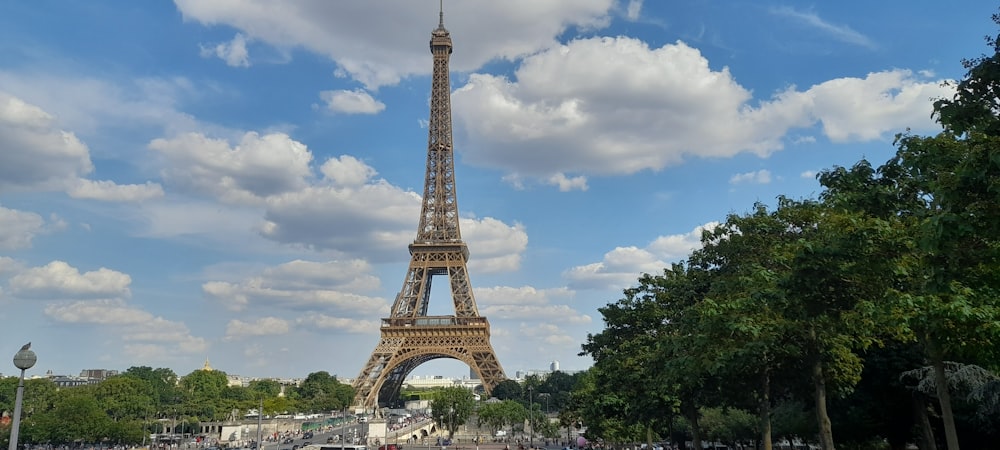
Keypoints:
(441, 14)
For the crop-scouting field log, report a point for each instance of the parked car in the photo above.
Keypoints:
(307, 435)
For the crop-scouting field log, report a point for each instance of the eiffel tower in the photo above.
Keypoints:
(409, 336)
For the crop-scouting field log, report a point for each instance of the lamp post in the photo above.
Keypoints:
(531, 409)
(478, 422)
(451, 421)
(260, 418)
(24, 360)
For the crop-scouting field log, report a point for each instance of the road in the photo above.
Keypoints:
(352, 431)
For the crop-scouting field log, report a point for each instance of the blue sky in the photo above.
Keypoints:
(238, 180)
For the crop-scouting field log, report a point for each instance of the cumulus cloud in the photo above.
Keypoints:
(265, 326)
(112, 192)
(762, 176)
(234, 52)
(303, 285)
(374, 219)
(143, 334)
(546, 333)
(481, 29)
(323, 322)
(347, 171)
(621, 267)
(258, 166)
(58, 279)
(524, 295)
(9, 265)
(494, 246)
(37, 155)
(562, 313)
(569, 112)
(567, 184)
(18, 228)
(529, 303)
(351, 102)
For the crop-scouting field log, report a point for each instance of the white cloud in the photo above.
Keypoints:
(375, 219)
(93, 107)
(234, 52)
(347, 171)
(113, 192)
(862, 109)
(304, 285)
(622, 266)
(584, 108)
(265, 326)
(546, 333)
(811, 174)
(841, 33)
(633, 9)
(524, 295)
(494, 246)
(258, 166)
(9, 265)
(762, 176)
(351, 102)
(562, 313)
(37, 154)
(58, 279)
(18, 228)
(143, 335)
(568, 184)
(481, 30)
(323, 322)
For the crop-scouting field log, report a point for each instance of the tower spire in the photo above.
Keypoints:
(441, 15)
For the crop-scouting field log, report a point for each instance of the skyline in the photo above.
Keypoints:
(238, 180)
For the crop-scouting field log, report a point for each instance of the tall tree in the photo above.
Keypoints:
(124, 397)
(452, 406)
(629, 353)
(162, 380)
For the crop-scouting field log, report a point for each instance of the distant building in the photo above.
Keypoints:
(71, 381)
(554, 367)
(98, 374)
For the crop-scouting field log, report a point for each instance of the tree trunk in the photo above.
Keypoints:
(944, 397)
(926, 441)
(691, 413)
(765, 410)
(822, 418)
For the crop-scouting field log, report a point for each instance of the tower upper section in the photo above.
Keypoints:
(439, 213)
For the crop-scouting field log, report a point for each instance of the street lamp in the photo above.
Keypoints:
(24, 360)
(451, 421)
(531, 408)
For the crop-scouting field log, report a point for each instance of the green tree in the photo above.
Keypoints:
(501, 415)
(508, 390)
(321, 391)
(75, 416)
(452, 407)
(125, 398)
(637, 376)
(162, 380)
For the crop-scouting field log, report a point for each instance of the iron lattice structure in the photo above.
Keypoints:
(409, 336)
